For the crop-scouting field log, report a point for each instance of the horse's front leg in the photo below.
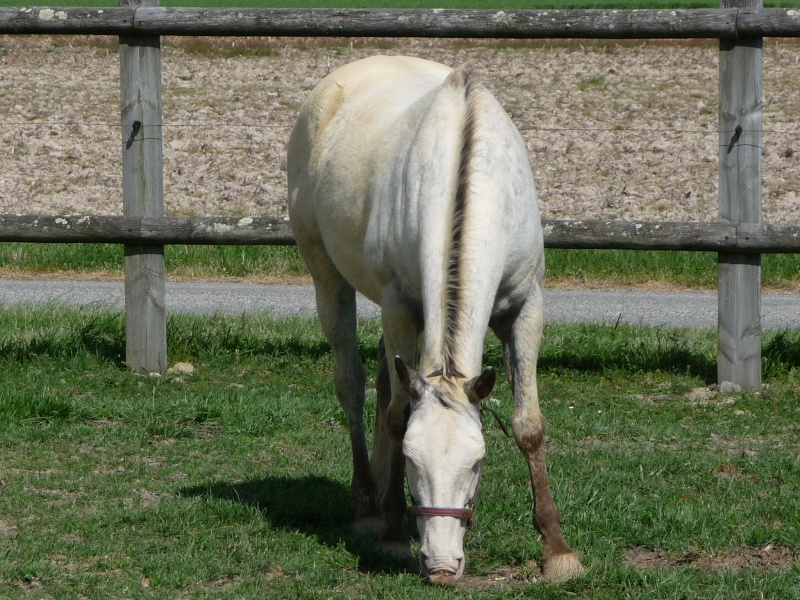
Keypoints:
(388, 462)
(522, 340)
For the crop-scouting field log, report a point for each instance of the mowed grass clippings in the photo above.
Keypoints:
(233, 481)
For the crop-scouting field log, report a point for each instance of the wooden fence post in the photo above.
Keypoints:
(143, 196)
(740, 98)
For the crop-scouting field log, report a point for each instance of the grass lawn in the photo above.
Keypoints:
(233, 482)
(573, 267)
(473, 4)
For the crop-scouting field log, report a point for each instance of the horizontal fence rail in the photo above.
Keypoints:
(725, 23)
(146, 230)
(738, 238)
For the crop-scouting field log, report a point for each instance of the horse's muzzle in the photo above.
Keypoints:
(442, 572)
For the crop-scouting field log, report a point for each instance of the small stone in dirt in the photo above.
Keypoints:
(728, 387)
(182, 368)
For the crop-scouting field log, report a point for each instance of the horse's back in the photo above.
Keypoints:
(367, 89)
(350, 110)
(341, 151)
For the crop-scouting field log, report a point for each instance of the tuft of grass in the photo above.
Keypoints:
(594, 81)
(421, 4)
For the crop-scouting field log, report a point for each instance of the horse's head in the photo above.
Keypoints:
(444, 451)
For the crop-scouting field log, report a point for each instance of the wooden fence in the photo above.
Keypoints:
(739, 237)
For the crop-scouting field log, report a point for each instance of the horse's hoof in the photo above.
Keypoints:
(562, 567)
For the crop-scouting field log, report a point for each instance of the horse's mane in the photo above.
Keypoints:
(463, 81)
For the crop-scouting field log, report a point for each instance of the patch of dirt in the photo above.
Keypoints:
(502, 578)
(614, 130)
(771, 558)
(7, 530)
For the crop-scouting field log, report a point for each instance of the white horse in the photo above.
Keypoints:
(409, 183)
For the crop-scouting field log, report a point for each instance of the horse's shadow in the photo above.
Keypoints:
(313, 505)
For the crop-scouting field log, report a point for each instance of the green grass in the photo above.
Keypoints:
(606, 267)
(181, 260)
(472, 4)
(234, 482)
(685, 269)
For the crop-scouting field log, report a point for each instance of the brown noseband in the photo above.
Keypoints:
(436, 511)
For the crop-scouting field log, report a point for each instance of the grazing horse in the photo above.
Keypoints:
(409, 183)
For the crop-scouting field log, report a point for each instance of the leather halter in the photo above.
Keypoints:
(436, 511)
(466, 514)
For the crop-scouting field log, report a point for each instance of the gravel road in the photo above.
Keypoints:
(681, 308)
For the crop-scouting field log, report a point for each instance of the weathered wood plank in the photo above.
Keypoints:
(146, 230)
(67, 20)
(723, 237)
(143, 196)
(769, 22)
(446, 23)
(617, 24)
(739, 295)
(743, 238)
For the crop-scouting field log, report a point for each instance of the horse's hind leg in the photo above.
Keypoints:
(522, 339)
(381, 444)
(336, 305)
(400, 331)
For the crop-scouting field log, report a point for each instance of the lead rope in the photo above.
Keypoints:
(497, 418)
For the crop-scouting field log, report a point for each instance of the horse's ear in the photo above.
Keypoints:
(412, 383)
(481, 386)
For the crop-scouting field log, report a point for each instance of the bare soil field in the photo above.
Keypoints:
(614, 131)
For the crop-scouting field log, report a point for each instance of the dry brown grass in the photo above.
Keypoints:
(768, 558)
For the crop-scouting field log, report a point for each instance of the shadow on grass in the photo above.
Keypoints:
(105, 343)
(780, 352)
(313, 505)
(675, 360)
(588, 348)
(602, 348)
(102, 334)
